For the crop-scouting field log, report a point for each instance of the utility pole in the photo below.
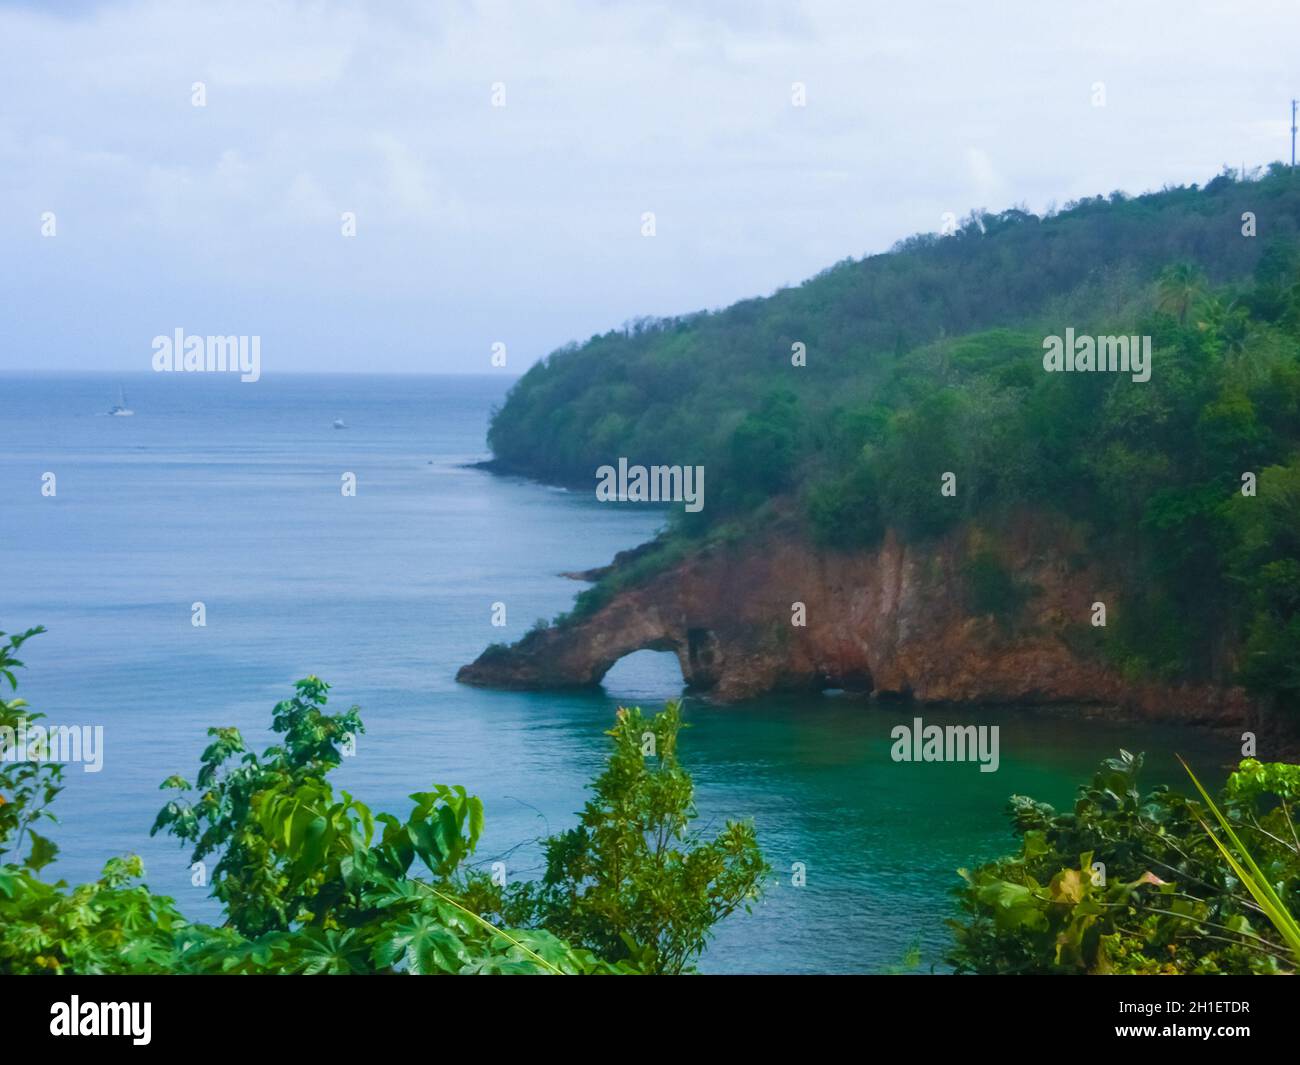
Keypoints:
(1292, 133)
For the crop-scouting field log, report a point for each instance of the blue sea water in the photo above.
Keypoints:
(228, 494)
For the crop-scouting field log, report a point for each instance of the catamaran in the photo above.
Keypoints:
(120, 409)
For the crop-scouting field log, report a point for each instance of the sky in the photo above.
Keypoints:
(523, 224)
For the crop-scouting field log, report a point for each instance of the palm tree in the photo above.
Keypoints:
(1227, 323)
(1179, 287)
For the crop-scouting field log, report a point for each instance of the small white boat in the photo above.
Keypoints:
(120, 409)
(338, 423)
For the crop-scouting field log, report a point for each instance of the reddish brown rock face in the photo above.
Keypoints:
(893, 621)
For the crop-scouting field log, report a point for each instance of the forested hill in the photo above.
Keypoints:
(676, 389)
(928, 362)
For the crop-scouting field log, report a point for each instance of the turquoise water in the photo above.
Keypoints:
(229, 494)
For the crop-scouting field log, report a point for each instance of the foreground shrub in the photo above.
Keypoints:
(1134, 883)
(632, 882)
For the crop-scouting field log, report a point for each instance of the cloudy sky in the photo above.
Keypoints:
(523, 223)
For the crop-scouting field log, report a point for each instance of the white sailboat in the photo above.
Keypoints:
(120, 409)
(339, 424)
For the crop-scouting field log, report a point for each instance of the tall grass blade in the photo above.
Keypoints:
(1250, 874)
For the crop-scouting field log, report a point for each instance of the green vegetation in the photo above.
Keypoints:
(621, 884)
(680, 389)
(313, 882)
(1134, 883)
(1248, 872)
(928, 360)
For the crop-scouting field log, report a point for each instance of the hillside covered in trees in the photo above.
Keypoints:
(929, 360)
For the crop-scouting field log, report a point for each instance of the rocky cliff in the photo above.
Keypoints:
(895, 621)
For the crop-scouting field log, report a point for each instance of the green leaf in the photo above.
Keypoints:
(42, 852)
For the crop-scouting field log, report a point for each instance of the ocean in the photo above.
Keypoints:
(228, 494)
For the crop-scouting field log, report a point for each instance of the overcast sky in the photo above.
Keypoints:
(522, 223)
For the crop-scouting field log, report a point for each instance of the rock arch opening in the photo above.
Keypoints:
(647, 677)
